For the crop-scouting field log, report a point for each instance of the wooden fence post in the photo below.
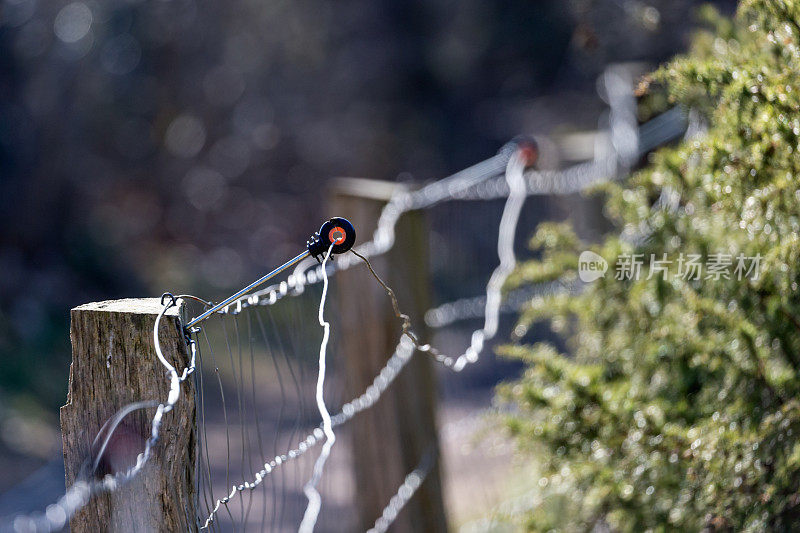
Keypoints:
(390, 438)
(113, 364)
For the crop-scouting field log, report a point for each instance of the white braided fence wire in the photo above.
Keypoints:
(480, 182)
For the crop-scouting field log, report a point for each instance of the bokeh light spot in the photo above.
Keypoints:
(185, 136)
(73, 22)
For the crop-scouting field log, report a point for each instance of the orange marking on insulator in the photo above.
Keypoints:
(336, 240)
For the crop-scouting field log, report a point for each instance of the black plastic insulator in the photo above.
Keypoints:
(337, 231)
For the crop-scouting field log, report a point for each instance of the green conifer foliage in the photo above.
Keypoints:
(677, 404)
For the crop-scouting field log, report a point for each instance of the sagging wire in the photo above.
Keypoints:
(664, 128)
(408, 342)
(108, 430)
(384, 240)
(484, 180)
(58, 515)
(515, 167)
(335, 236)
(314, 500)
(409, 339)
(505, 251)
(459, 186)
(308, 271)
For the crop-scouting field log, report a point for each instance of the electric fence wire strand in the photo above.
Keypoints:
(408, 341)
(492, 302)
(314, 500)
(384, 239)
(484, 181)
(477, 182)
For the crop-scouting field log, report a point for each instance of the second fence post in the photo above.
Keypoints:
(114, 364)
(391, 438)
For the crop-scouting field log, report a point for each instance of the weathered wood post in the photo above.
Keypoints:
(113, 364)
(391, 437)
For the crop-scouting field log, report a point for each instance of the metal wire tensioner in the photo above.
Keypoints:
(338, 234)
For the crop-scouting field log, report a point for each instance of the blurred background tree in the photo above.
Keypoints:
(677, 407)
